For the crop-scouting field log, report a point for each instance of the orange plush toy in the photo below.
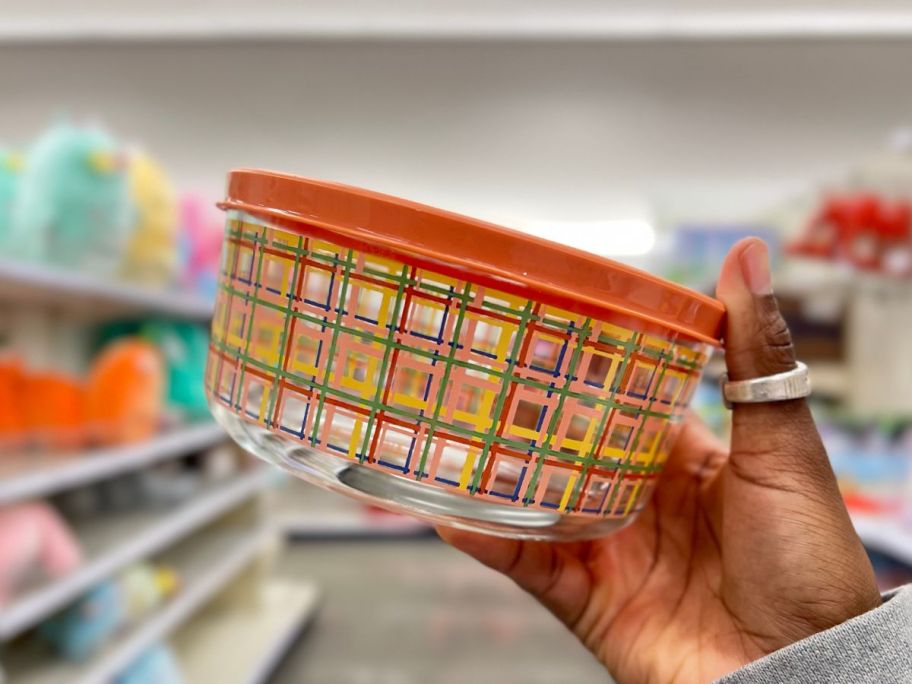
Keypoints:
(125, 392)
(54, 411)
(12, 415)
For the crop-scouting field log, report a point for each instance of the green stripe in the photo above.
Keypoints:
(378, 403)
(562, 392)
(433, 422)
(496, 417)
(331, 352)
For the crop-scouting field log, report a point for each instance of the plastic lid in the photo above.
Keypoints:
(555, 273)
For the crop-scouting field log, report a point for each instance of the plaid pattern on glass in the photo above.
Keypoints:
(443, 380)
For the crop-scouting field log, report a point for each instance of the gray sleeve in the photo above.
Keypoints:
(875, 647)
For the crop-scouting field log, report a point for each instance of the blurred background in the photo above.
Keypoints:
(137, 545)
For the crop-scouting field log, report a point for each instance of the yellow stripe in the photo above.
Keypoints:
(633, 497)
(467, 468)
(264, 402)
(568, 490)
(356, 435)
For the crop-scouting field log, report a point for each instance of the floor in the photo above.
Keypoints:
(418, 612)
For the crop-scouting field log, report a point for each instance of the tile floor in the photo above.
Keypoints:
(417, 612)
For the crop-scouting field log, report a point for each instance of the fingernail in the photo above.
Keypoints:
(755, 268)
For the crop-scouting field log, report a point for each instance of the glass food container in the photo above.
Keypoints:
(445, 367)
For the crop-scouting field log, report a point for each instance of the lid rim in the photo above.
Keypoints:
(349, 212)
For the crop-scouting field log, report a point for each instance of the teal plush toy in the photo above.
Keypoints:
(80, 630)
(73, 204)
(184, 347)
(11, 165)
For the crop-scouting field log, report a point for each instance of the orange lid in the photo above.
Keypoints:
(553, 272)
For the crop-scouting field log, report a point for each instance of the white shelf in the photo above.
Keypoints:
(205, 565)
(114, 541)
(884, 535)
(258, 636)
(353, 525)
(830, 380)
(406, 21)
(29, 475)
(35, 283)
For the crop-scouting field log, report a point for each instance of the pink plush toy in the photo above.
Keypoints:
(33, 538)
(201, 239)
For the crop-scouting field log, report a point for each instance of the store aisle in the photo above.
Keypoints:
(417, 612)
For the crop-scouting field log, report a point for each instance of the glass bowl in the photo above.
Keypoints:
(444, 367)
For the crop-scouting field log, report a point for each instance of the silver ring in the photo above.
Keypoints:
(793, 384)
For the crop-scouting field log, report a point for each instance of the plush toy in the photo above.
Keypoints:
(125, 392)
(12, 415)
(144, 587)
(54, 406)
(201, 244)
(155, 666)
(72, 206)
(33, 540)
(11, 166)
(81, 629)
(184, 347)
(152, 252)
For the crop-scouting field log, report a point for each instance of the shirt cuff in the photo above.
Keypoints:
(875, 648)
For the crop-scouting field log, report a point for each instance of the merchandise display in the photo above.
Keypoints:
(144, 587)
(56, 410)
(512, 392)
(125, 392)
(184, 347)
(201, 244)
(77, 199)
(697, 249)
(152, 252)
(84, 627)
(890, 572)
(80, 630)
(863, 230)
(72, 206)
(35, 543)
(13, 416)
(871, 462)
(11, 166)
(121, 399)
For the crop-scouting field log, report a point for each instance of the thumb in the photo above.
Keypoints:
(775, 440)
(791, 555)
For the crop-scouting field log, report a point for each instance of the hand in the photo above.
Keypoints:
(737, 555)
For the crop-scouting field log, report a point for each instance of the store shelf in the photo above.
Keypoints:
(27, 475)
(259, 634)
(114, 541)
(34, 283)
(885, 535)
(354, 525)
(205, 566)
(403, 20)
(830, 380)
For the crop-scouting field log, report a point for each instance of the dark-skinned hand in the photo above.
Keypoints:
(742, 550)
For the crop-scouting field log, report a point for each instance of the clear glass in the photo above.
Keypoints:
(438, 396)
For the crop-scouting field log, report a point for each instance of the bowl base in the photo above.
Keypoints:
(433, 504)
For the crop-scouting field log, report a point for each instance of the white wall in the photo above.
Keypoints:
(549, 130)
